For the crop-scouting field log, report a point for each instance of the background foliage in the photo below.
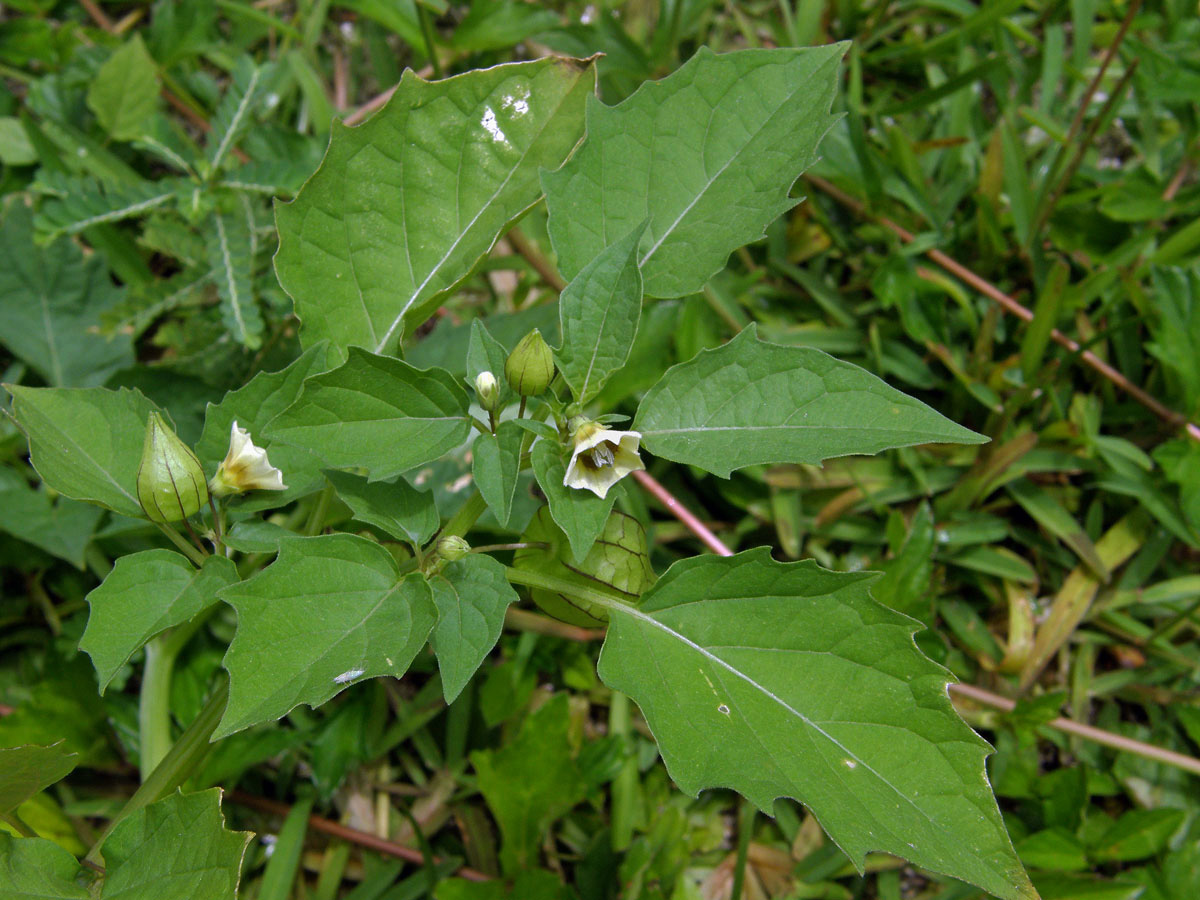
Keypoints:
(141, 145)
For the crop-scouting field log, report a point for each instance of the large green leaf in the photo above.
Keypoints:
(471, 595)
(124, 93)
(330, 611)
(177, 847)
(750, 402)
(708, 154)
(38, 869)
(600, 311)
(145, 594)
(86, 442)
(404, 205)
(788, 680)
(395, 507)
(376, 412)
(51, 301)
(61, 527)
(254, 407)
(26, 770)
(530, 782)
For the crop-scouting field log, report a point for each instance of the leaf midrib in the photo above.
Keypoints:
(487, 205)
(721, 171)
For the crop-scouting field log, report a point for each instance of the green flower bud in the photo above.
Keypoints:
(530, 367)
(488, 391)
(170, 481)
(452, 547)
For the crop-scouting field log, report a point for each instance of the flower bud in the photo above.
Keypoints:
(245, 467)
(530, 367)
(170, 481)
(488, 391)
(452, 547)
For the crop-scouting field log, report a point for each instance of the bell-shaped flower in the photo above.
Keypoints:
(245, 468)
(602, 457)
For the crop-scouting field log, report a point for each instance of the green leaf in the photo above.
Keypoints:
(579, 513)
(404, 205)
(235, 112)
(1177, 329)
(63, 705)
(531, 884)
(38, 869)
(61, 527)
(15, 146)
(51, 301)
(376, 412)
(124, 93)
(177, 847)
(26, 770)
(750, 402)
(530, 782)
(496, 465)
(787, 680)
(86, 443)
(254, 407)
(1138, 834)
(600, 311)
(471, 595)
(499, 24)
(396, 507)
(330, 611)
(708, 153)
(145, 594)
(229, 243)
(80, 203)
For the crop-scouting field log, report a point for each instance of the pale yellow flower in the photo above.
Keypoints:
(602, 457)
(245, 468)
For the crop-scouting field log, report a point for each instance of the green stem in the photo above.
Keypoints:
(176, 766)
(316, 521)
(625, 785)
(154, 704)
(427, 34)
(18, 825)
(182, 545)
(460, 523)
(562, 586)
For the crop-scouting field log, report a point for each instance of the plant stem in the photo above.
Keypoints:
(427, 34)
(625, 785)
(460, 523)
(316, 520)
(519, 545)
(154, 705)
(562, 586)
(19, 826)
(176, 766)
(183, 546)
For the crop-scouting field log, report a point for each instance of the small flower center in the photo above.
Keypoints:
(601, 456)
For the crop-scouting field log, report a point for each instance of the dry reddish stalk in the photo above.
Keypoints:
(352, 835)
(1009, 304)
